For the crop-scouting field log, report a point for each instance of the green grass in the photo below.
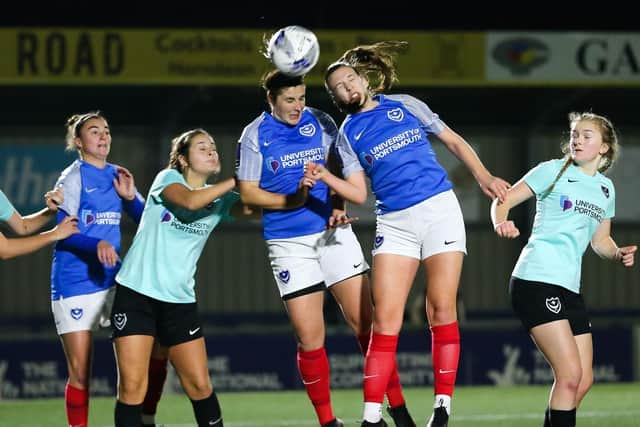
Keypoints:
(523, 406)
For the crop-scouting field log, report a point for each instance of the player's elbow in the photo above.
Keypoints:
(359, 199)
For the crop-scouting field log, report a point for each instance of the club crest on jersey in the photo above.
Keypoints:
(396, 114)
(605, 191)
(565, 203)
(366, 159)
(165, 216)
(87, 216)
(308, 130)
(553, 304)
(76, 313)
(378, 241)
(119, 320)
(272, 164)
(284, 276)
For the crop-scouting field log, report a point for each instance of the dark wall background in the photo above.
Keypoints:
(517, 127)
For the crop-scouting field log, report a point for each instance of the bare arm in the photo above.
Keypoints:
(194, 199)
(500, 210)
(491, 186)
(10, 248)
(353, 189)
(251, 194)
(604, 245)
(25, 225)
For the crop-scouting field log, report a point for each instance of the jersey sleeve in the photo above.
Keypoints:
(6, 208)
(430, 120)
(610, 211)
(540, 177)
(134, 207)
(345, 152)
(71, 182)
(249, 156)
(228, 200)
(329, 128)
(162, 180)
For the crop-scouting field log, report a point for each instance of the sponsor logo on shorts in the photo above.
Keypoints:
(553, 304)
(284, 276)
(76, 313)
(119, 320)
(378, 241)
(193, 331)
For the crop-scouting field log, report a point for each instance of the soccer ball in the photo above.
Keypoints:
(294, 50)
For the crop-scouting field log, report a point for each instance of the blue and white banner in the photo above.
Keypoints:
(36, 369)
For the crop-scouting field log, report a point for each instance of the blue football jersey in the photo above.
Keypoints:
(88, 193)
(389, 143)
(274, 153)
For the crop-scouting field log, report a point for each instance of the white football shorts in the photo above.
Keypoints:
(431, 227)
(83, 312)
(328, 257)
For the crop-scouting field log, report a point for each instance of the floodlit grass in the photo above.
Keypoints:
(522, 406)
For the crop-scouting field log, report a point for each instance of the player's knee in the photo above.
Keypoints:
(131, 392)
(199, 389)
(570, 379)
(585, 384)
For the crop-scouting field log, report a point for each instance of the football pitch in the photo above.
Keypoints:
(522, 406)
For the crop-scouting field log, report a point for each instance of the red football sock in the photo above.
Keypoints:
(157, 376)
(76, 401)
(445, 352)
(394, 388)
(379, 363)
(314, 370)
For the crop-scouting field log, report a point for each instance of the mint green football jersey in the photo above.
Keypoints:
(564, 223)
(161, 262)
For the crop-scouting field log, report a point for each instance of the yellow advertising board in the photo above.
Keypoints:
(61, 56)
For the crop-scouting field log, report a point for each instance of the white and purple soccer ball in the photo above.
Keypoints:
(294, 50)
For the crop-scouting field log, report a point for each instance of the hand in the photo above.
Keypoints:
(626, 255)
(124, 184)
(306, 183)
(54, 198)
(507, 229)
(67, 227)
(107, 254)
(495, 187)
(339, 218)
(314, 171)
